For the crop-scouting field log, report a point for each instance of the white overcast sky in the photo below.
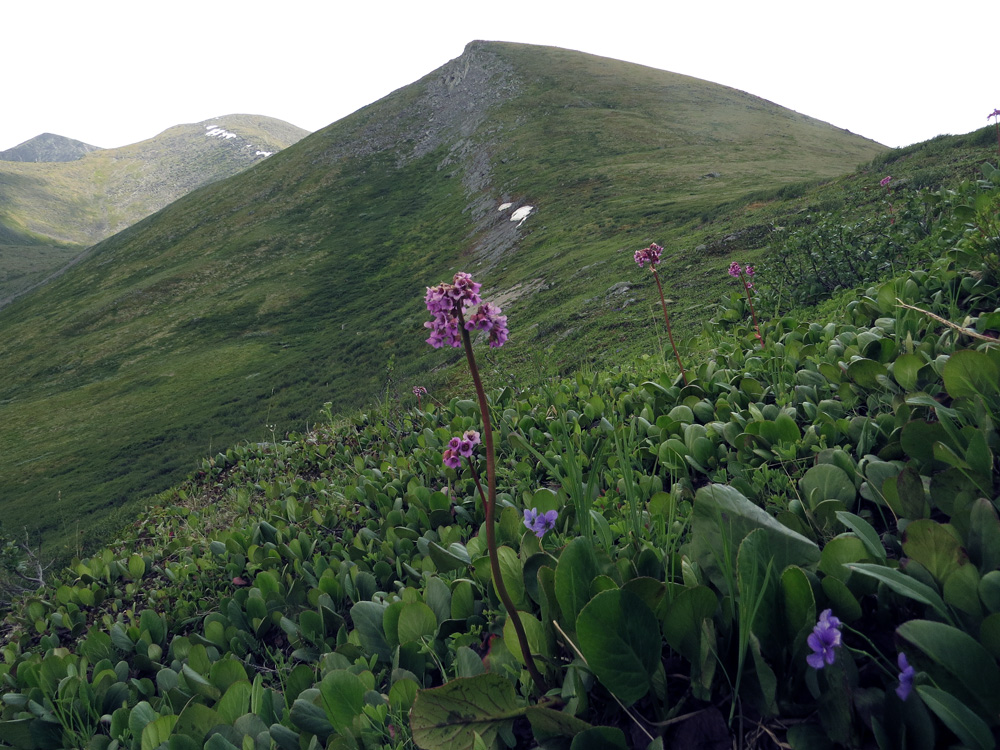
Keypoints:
(111, 73)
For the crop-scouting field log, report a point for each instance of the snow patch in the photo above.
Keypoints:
(504, 206)
(214, 131)
(521, 214)
(263, 153)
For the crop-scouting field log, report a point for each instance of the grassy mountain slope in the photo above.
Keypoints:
(84, 201)
(240, 307)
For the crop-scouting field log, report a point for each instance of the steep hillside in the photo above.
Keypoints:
(48, 147)
(233, 312)
(104, 191)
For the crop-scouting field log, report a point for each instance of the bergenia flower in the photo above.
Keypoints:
(906, 675)
(447, 302)
(488, 318)
(540, 522)
(885, 180)
(994, 113)
(459, 448)
(824, 640)
(734, 269)
(649, 255)
(419, 390)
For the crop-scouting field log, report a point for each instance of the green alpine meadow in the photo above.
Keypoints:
(549, 402)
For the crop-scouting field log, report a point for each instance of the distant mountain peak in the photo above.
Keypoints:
(48, 147)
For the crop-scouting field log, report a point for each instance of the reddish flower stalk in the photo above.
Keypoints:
(651, 255)
(490, 504)
(447, 304)
(995, 114)
(418, 391)
(884, 182)
(744, 275)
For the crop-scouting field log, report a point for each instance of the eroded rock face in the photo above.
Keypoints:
(452, 113)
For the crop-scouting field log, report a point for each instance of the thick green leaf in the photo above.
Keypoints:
(235, 702)
(827, 482)
(512, 573)
(619, 637)
(912, 497)
(367, 618)
(906, 370)
(959, 654)
(971, 373)
(798, 602)
(983, 538)
(449, 717)
(904, 584)
(343, 695)
(961, 591)
(723, 517)
(309, 717)
(866, 533)
(866, 373)
(972, 731)
(547, 723)
(140, 716)
(447, 560)
(539, 641)
(157, 732)
(416, 622)
(934, 547)
(196, 721)
(576, 569)
(17, 733)
(600, 738)
(682, 620)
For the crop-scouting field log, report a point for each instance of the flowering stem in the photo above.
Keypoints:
(753, 312)
(667, 319)
(489, 504)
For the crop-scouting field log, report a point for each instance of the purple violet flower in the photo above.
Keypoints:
(419, 390)
(994, 113)
(540, 522)
(734, 269)
(451, 458)
(885, 180)
(823, 640)
(906, 675)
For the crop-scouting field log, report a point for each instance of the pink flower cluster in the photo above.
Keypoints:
(649, 255)
(459, 448)
(447, 303)
(419, 390)
(735, 270)
(885, 181)
(994, 113)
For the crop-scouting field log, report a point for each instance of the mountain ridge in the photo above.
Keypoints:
(48, 147)
(105, 190)
(248, 302)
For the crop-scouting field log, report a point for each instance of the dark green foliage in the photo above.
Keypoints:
(321, 586)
